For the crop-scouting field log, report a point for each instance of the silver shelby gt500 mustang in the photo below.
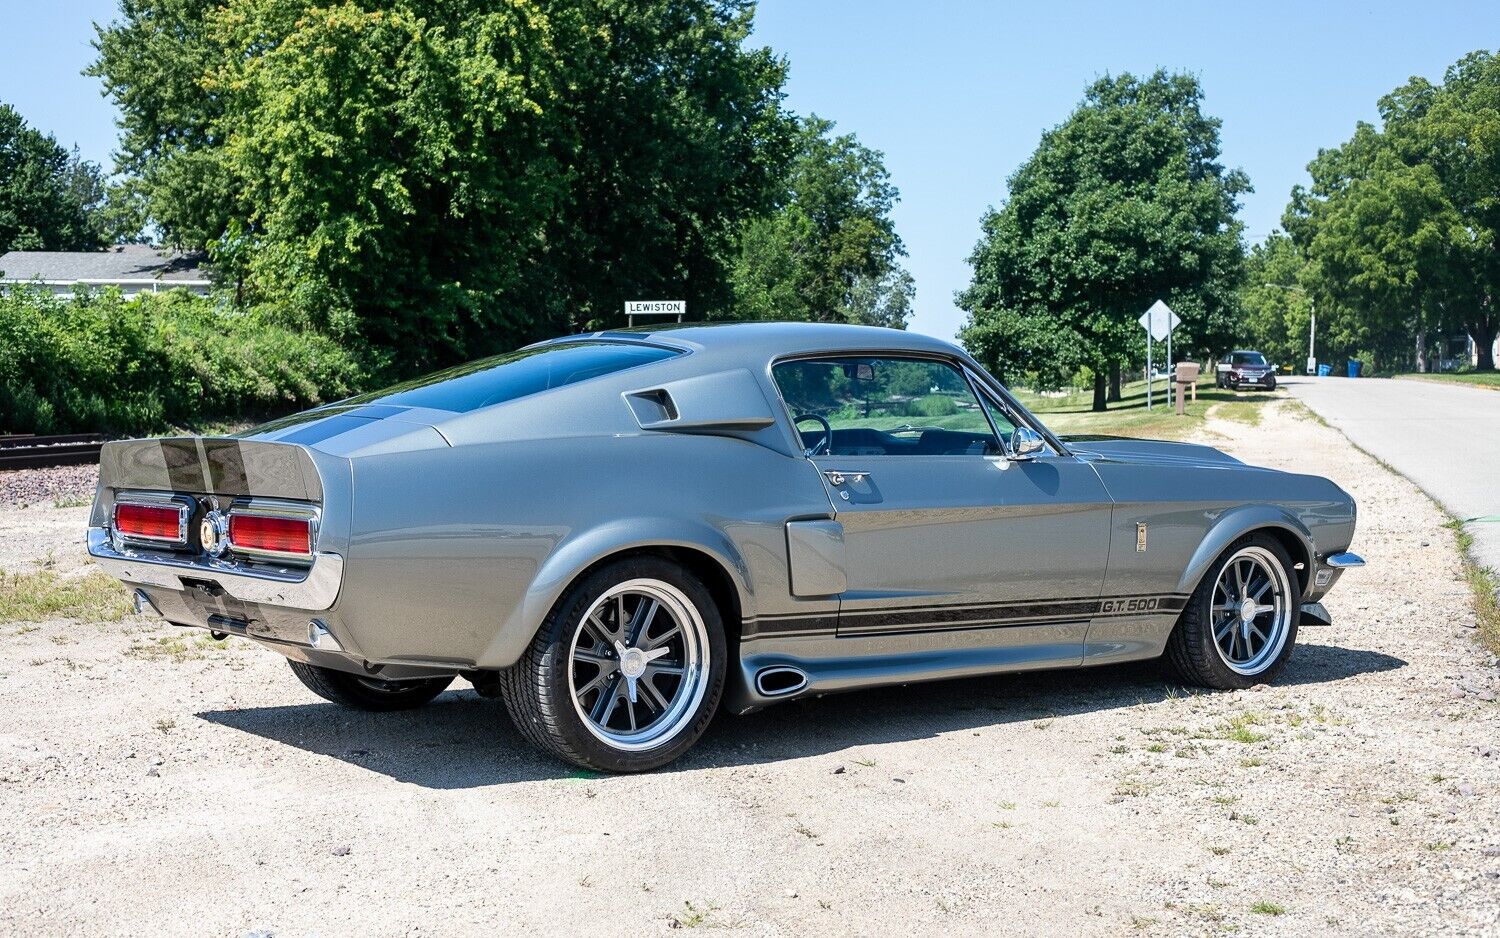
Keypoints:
(620, 533)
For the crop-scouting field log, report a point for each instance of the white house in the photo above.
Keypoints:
(133, 268)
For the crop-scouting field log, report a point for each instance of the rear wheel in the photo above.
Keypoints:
(368, 693)
(1240, 624)
(626, 671)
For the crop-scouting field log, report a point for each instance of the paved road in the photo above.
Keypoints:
(1443, 437)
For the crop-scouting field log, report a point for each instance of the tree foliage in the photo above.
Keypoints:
(1122, 204)
(445, 178)
(1277, 301)
(50, 199)
(1401, 222)
(829, 251)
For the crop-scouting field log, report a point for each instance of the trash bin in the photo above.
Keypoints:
(1354, 368)
(1324, 370)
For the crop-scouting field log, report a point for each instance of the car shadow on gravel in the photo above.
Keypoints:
(463, 741)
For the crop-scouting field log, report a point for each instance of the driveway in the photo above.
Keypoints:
(1443, 437)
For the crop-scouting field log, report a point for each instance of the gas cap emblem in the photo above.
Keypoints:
(213, 533)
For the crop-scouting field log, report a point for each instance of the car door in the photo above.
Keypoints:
(942, 531)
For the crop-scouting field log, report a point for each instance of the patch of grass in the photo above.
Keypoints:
(1238, 729)
(1252, 762)
(175, 648)
(93, 596)
(1438, 846)
(1071, 413)
(1267, 908)
(1484, 584)
(1219, 851)
(1477, 379)
(73, 501)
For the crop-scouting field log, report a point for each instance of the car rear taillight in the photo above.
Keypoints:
(271, 534)
(155, 521)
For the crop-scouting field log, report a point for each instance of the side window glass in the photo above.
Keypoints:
(1003, 424)
(847, 406)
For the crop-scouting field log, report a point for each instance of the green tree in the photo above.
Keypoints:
(1276, 300)
(1401, 222)
(829, 252)
(1124, 203)
(446, 179)
(50, 199)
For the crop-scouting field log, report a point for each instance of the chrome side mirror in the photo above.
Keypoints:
(1025, 443)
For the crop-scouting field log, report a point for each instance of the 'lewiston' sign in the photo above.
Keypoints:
(634, 308)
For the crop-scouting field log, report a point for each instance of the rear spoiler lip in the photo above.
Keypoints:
(313, 588)
(218, 465)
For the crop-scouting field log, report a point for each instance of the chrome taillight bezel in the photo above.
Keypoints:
(275, 508)
(182, 504)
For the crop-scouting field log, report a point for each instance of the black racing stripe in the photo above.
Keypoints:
(788, 626)
(966, 627)
(904, 616)
(956, 616)
(226, 467)
(184, 472)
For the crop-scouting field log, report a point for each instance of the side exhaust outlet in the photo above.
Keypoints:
(320, 638)
(779, 681)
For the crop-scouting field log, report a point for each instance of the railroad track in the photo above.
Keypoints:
(30, 452)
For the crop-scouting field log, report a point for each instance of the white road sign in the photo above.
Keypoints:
(656, 308)
(1159, 320)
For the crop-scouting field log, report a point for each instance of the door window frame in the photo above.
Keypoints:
(978, 388)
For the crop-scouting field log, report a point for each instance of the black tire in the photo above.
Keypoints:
(368, 693)
(1191, 648)
(1270, 384)
(538, 690)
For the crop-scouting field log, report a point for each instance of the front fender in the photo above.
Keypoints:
(1236, 523)
(588, 547)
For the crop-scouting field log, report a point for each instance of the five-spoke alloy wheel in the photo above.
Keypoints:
(626, 671)
(1240, 624)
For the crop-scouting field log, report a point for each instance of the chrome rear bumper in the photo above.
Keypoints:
(314, 588)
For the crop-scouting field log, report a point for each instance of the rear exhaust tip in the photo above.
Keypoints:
(320, 638)
(780, 681)
(142, 603)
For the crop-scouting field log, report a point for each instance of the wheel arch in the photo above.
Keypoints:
(1277, 522)
(703, 550)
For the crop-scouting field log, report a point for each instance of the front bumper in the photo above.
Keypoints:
(315, 587)
(1267, 380)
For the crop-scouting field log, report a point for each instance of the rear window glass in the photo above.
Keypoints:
(516, 374)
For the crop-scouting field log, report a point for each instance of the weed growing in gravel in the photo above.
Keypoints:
(1219, 851)
(693, 916)
(1484, 583)
(174, 648)
(1267, 908)
(73, 501)
(93, 596)
(1238, 728)
(165, 725)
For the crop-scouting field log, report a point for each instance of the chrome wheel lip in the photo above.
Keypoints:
(690, 691)
(1237, 613)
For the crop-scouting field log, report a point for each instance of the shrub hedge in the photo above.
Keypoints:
(100, 363)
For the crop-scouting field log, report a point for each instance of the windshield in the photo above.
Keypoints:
(516, 374)
(1247, 358)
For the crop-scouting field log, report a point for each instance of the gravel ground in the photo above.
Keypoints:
(58, 484)
(160, 786)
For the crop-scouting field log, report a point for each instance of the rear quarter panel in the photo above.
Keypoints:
(456, 554)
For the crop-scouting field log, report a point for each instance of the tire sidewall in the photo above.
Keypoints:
(557, 687)
(1222, 674)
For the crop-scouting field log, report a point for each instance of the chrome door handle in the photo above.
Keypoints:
(840, 476)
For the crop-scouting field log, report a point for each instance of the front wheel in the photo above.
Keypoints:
(625, 672)
(1270, 384)
(368, 693)
(1240, 624)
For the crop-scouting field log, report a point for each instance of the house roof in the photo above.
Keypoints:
(125, 264)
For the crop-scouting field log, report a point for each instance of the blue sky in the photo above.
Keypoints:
(956, 94)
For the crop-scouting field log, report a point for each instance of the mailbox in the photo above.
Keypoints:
(1186, 381)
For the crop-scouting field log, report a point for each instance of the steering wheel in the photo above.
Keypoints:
(823, 444)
